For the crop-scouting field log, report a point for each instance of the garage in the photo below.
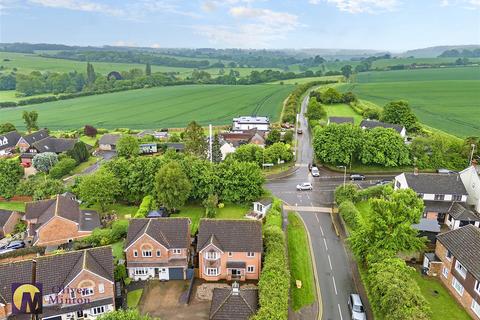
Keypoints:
(176, 273)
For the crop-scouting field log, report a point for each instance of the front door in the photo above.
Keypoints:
(163, 273)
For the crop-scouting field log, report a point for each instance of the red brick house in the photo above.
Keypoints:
(158, 248)
(59, 220)
(229, 249)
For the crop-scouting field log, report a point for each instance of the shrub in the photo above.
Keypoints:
(349, 213)
(120, 272)
(274, 215)
(103, 237)
(119, 230)
(147, 205)
(22, 252)
(79, 152)
(62, 168)
(374, 192)
(90, 131)
(349, 192)
(8, 104)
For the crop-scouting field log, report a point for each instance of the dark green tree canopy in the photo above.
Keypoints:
(195, 140)
(399, 112)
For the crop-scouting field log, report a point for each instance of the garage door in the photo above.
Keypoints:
(176, 273)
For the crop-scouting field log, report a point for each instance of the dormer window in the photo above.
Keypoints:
(146, 253)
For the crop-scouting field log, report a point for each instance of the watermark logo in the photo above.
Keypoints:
(26, 298)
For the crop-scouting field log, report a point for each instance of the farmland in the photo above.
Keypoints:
(447, 99)
(158, 107)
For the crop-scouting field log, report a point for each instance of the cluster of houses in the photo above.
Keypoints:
(80, 284)
(451, 221)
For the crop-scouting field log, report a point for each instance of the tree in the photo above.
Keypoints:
(128, 147)
(239, 182)
(121, 314)
(383, 146)
(7, 127)
(337, 143)
(273, 136)
(30, 118)
(10, 174)
(349, 192)
(202, 175)
(288, 136)
(278, 151)
(347, 71)
(195, 141)
(90, 131)
(62, 168)
(79, 152)
(148, 69)
(399, 112)
(387, 229)
(44, 161)
(46, 188)
(99, 188)
(249, 153)
(90, 74)
(331, 96)
(216, 152)
(210, 205)
(315, 110)
(172, 186)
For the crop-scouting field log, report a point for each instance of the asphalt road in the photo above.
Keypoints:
(332, 264)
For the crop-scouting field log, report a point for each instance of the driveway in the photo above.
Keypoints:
(105, 155)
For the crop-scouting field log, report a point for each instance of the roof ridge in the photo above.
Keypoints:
(245, 300)
(68, 275)
(139, 232)
(93, 258)
(222, 304)
(55, 213)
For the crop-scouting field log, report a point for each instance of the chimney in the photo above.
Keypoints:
(235, 288)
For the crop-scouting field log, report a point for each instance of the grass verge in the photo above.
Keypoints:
(300, 263)
(133, 298)
(12, 205)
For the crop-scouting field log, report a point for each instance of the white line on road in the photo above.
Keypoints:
(340, 311)
(334, 285)
(325, 242)
(316, 216)
(330, 262)
(321, 229)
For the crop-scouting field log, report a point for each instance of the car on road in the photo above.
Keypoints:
(357, 176)
(15, 244)
(304, 186)
(356, 307)
(315, 172)
(383, 182)
(299, 131)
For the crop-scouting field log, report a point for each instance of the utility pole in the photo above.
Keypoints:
(210, 144)
(471, 154)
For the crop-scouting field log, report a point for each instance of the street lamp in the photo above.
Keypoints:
(344, 174)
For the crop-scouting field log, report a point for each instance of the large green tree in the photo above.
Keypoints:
(315, 111)
(249, 153)
(216, 152)
(347, 71)
(399, 112)
(128, 147)
(44, 161)
(337, 143)
(240, 182)
(382, 146)
(195, 140)
(202, 175)
(90, 74)
(7, 127)
(273, 136)
(278, 151)
(99, 188)
(10, 174)
(31, 120)
(172, 186)
(79, 152)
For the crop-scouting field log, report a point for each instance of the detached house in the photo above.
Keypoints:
(458, 266)
(471, 179)
(370, 124)
(20, 272)
(26, 142)
(233, 303)
(8, 142)
(56, 221)
(438, 191)
(229, 249)
(158, 248)
(248, 122)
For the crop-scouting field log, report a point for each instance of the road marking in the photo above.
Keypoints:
(308, 209)
(321, 229)
(325, 242)
(316, 216)
(340, 311)
(334, 285)
(330, 262)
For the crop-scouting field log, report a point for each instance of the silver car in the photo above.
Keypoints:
(304, 186)
(356, 307)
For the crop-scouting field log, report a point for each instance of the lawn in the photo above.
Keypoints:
(442, 304)
(300, 263)
(133, 298)
(309, 79)
(91, 141)
(12, 205)
(123, 211)
(117, 249)
(342, 110)
(10, 95)
(158, 107)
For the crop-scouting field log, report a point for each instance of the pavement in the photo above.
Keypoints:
(332, 264)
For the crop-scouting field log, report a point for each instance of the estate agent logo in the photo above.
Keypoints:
(26, 298)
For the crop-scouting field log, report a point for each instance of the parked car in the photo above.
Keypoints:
(15, 244)
(315, 172)
(357, 176)
(356, 307)
(299, 131)
(304, 186)
(383, 182)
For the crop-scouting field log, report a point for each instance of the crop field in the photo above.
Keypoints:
(382, 63)
(451, 103)
(157, 107)
(309, 79)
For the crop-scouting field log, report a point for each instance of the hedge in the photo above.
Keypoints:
(22, 252)
(349, 192)
(148, 204)
(349, 213)
(274, 215)
(62, 168)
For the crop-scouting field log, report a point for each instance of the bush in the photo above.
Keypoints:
(62, 168)
(148, 204)
(22, 252)
(8, 104)
(119, 230)
(120, 272)
(349, 192)
(90, 131)
(103, 237)
(349, 213)
(274, 215)
(79, 152)
(374, 192)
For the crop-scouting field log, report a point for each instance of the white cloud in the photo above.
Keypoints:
(155, 45)
(80, 5)
(466, 4)
(266, 16)
(360, 6)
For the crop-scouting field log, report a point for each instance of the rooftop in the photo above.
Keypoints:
(436, 183)
(228, 304)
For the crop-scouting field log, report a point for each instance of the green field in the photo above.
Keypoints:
(447, 99)
(382, 63)
(342, 110)
(310, 79)
(157, 107)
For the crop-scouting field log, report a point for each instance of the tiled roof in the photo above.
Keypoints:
(229, 306)
(109, 139)
(4, 216)
(436, 183)
(36, 136)
(429, 225)
(231, 235)
(170, 232)
(464, 244)
(58, 270)
(9, 140)
(340, 120)
(374, 124)
(265, 201)
(437, 206)
(57, 145)
(459, 212)
(21, 272)
(54, 310)
(89, 220)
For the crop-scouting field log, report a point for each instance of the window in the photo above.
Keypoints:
(250, 269)
(177, 251)
(445, 272)
(398, 184)
(461, 269)
(212, 255)
(135, 253)
(87, 292)
(212, 271)
(477, 287)
(250, 254)
(457, 197)
(98, 310)
(101, 288)
(141, 271)
(448, 255)
(146, 253)
(476, 307)
(159, 253)
(457, 286)
(439, 197)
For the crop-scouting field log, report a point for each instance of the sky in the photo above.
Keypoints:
(394, 25)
